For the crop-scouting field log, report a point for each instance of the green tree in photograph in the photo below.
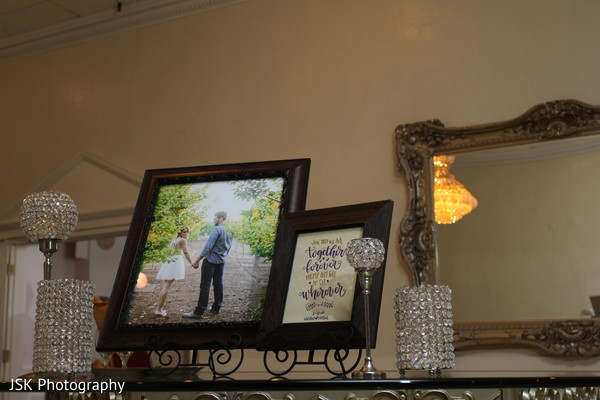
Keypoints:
(258, 226)
(177, 206)
(252, 189)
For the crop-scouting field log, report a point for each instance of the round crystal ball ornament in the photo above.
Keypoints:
(48, 215)
(365, 253)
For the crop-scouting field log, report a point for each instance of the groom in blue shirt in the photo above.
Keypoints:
(212, 259)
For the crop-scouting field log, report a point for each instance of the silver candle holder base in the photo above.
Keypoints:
(368, 371)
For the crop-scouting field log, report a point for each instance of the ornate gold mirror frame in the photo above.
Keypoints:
(417, 143)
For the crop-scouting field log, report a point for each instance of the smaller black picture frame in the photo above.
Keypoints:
(274, 334)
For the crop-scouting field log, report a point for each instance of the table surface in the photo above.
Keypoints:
(186, 379)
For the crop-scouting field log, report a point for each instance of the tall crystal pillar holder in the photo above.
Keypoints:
(366, 256)
(64, 328)
(424, 333)
(64, 308)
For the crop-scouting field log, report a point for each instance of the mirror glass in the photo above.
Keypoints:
(531, 249)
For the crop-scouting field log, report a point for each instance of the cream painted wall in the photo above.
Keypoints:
(274, 79)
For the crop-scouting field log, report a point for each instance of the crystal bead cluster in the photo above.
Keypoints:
(424, 331)
(48, 215)
(64, 334)
(365, 253)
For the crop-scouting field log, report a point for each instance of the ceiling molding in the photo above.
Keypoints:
(135, 15)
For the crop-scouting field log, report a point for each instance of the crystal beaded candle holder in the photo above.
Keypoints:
(48, 215)
(424, 333)
(365, 255)
(64, 327)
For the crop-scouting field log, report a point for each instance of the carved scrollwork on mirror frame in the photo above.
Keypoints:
(563, 338)
(417, 143)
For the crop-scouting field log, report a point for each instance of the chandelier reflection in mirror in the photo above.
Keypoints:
(452, 200)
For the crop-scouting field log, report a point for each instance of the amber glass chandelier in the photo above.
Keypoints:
(452, 200)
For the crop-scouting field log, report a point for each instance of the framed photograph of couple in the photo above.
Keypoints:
(314, 300)
(198, 255)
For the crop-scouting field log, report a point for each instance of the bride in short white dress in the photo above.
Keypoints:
(175, 268)
(172, 270)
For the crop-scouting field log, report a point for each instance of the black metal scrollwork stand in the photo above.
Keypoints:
(225, 362)
(333, 360)
(221, 362)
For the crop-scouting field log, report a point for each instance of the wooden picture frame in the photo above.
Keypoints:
(170, 198)
(314, 300)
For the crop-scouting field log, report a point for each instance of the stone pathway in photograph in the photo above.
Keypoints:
(244, 280)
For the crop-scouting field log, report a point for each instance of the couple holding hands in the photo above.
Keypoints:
(211, 261)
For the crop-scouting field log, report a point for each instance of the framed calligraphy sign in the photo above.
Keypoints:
(314, 298)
